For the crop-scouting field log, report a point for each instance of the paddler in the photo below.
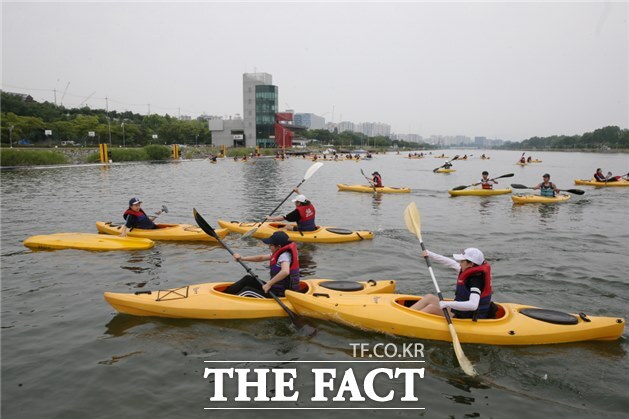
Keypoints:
(547, 188)
(284, 269)
(376, 179)
(600, 177)
(303, 214)
(485, 182)
(135, 217)
(472, 297)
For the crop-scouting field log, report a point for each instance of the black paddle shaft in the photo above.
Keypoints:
(287, 196)
(460, 188)
(209, 230)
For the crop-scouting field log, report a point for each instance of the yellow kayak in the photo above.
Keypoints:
(166, 232)
(534, 161)
(85, 241)
(538, 199)
(592, 182)
(479, 192)
(370, 189)
(321, 235)
(207, 301)
(441, 157)
(514, 324)
(521, 164)
(445, 170)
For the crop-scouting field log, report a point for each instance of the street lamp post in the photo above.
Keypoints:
(123, 138)
(196, 139)
(11, 136)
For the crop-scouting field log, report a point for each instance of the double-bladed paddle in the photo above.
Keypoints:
(373, 185)
(446, 163)
(164, 209)
(295, 318)
(413, 223)
(311, 171)
(574, 191)
(460, 188)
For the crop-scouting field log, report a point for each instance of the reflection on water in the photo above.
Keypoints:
(546, 212)
(307, 261)
(376, 202)
(262, 184)
(543, 255)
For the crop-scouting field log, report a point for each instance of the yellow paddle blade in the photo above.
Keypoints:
(412, 219)
(465, 363)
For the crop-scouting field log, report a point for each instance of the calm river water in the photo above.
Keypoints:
(67, 354)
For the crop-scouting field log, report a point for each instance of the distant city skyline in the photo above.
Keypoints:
(507, 70)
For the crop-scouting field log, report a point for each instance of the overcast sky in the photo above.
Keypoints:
(496, 69)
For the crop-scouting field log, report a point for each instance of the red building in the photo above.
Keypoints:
(285, 129)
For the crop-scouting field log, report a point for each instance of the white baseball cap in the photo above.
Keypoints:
(300, 198)
(472, 254)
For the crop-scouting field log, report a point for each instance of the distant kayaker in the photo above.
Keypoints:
(485, 182)
(547, 188)
(472, 297)
(600, 177)
(529, 159)
(522, 159)
(376, 179)
(303, 214)
(447, 165)
(135, 217)
(284, 269)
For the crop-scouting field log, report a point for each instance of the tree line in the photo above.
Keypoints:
(610, 137)
(27, 122)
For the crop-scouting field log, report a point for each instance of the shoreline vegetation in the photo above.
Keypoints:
(31, 156)
(33, 133)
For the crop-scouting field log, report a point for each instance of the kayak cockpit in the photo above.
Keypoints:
(498, 310)
(222, 286)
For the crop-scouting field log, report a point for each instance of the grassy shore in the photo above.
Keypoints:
(20, 157)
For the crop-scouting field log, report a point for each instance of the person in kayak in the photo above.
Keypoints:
(472, 298)
(522, 159)
(284, 269)
(600, 177)
(376, 179)
(485, 182)
(303, 214)
(447, 165)
(135, 217)
(547, 188)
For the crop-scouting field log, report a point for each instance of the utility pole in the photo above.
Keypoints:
(11, 136)
(108, 118)
(123, 139)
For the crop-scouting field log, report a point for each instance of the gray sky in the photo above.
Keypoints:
(501, 70)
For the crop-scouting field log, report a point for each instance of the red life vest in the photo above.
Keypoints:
(485, 184)
(142, 221)
(377, 179)
(306, 218)
(463, 292)
(291, 282)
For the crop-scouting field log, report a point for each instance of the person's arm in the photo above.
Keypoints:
(254, 258)
(283, 273)
(555, 188)
(292, 216)
(476, 284)
(128, 225)
(443, 260)
(537, 186)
